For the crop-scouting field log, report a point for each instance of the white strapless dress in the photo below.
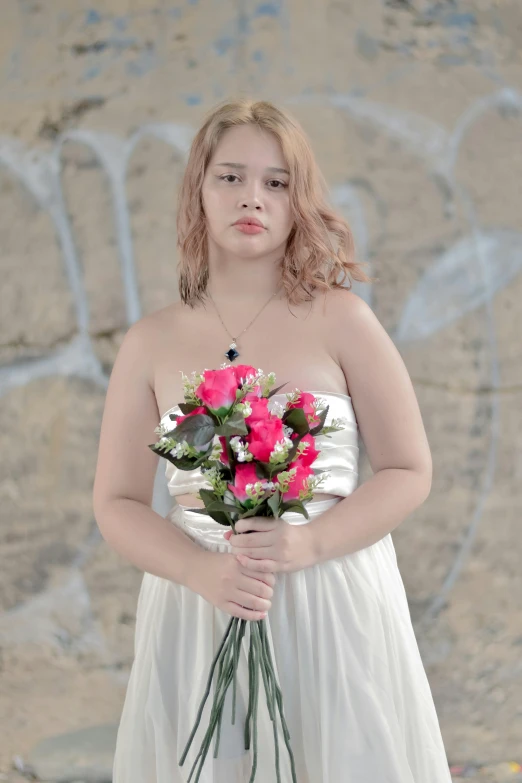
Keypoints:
(356, 698)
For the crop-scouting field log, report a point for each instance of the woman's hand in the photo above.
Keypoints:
(275, 545)
(227, 584)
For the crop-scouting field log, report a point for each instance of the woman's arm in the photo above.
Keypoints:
(126, 468)
(390, 424)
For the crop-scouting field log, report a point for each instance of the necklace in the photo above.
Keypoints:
(232, 353)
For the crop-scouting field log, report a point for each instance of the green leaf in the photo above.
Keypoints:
(219, 505)
(274, 391)
(261, 507)
(213, 501)
(318, 427)
(296, 419)
(220, 517)
(233, 425)
(294, 505)
(263, 470)
(252, 512)
(208, 495)
(273, 503)
(197, 430)
(183, 463)
(214, 507)
(293, 450)
(188, 407)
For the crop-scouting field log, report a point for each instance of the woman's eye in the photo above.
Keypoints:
(276, 181)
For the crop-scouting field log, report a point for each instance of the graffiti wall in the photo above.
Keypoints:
(414, 110)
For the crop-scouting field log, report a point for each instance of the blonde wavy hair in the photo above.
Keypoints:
(311, 260)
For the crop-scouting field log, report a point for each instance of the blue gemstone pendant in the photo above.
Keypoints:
(232, 354)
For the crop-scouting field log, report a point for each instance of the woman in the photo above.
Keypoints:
(356, 697)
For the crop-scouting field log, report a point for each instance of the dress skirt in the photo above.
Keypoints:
(356, 697)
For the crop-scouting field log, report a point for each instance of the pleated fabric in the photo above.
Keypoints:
(356, 697)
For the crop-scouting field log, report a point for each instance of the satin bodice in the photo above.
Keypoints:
(339, 451)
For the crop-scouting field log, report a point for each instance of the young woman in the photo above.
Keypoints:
(356, 698)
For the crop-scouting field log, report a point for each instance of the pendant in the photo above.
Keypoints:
(232, 354)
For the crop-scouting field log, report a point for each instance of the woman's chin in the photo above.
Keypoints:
(249, 249)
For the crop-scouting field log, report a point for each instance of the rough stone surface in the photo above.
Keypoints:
(414, 110)
(84, 755)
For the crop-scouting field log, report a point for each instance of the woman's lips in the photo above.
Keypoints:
(248, 228)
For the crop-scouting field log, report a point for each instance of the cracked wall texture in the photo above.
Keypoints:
(414, 110)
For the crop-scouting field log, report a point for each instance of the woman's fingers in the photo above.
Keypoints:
(245, 614)
(253, 602)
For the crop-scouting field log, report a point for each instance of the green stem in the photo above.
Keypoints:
(242, 630)
(279, 697)
(255, 700)
(277, 689)
(264, 670)
(270, 697)
(216, 712)
(224, 681)
(224, 684)
(207, 691)
(236, 644)
(237, 650)
(228, 665)
(250, 690)
(218, 733)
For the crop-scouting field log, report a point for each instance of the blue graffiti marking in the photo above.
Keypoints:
(267, 9)
(92, 17)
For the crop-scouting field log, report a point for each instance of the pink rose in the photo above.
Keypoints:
(310, 453)
(263, 436)
(260, 411)
(299, 482)
(218, 390)
(304, 401)
(254, 394)
(223, 457)
(245, 474)
(241, 371)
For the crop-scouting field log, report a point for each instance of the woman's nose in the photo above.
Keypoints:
(252, 196)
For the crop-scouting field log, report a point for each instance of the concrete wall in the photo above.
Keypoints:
(414, 110)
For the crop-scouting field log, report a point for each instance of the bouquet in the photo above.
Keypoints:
(258, 463)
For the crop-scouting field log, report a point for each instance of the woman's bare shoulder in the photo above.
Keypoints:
(337, 304)
(152, 327)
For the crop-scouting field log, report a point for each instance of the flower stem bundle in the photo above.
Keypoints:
(260, 665)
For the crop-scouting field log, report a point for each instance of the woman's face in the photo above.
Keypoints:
(247, 177)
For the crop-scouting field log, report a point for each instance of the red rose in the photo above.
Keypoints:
(305, 401)
(245, 474)
(218, 390)
(299, 482)
(263, 436)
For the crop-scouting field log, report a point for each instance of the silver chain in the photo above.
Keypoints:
(234, 339)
